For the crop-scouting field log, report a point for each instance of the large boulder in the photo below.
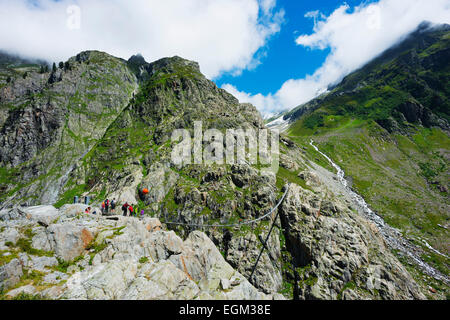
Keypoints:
(10, 274)
(41, 239)
(44, 215)
(28, 289)
(202, 262)
(69, 240)
(243, 252)
(10, 235)
(164, 244)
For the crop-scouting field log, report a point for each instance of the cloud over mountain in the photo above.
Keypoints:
(222, 35)
(354, 37)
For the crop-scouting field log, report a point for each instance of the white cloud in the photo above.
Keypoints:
(315, 15)
(354, 37)
(265, 104)
(222, 35)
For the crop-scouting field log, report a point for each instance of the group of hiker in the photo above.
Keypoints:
(109, 207)
(128, 210)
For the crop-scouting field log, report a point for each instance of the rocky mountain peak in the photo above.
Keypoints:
(93, 56)
(174, 64)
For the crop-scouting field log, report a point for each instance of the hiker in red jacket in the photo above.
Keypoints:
(130, 208)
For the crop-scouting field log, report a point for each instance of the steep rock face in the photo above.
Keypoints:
(27, 131)
(338, 254)
(51, 120)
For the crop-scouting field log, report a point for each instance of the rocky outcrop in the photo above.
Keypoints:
(128, 259)
(337, 254)
(217, 199)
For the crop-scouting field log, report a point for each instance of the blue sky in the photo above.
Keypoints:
(265, 52)
(283, 59)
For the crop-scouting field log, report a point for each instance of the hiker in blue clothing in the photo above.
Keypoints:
(113, 206)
